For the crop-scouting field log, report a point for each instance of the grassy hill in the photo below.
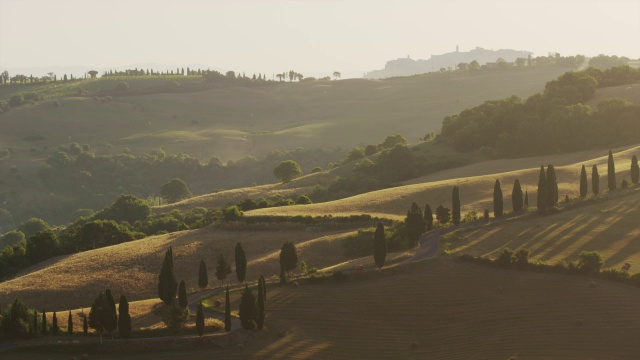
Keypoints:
(476, 186)
(232, 122)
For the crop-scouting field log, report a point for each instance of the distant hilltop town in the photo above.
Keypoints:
(407, 66)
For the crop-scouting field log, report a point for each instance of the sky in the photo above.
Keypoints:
(310, 37)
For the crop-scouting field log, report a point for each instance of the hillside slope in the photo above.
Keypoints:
(475, 190)
(236, 121)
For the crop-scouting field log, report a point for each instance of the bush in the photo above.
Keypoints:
(122, 86)
(303, 200)
(316, 169)
(16, 100)
(231, 213)
(521, 258)
(590, 261)
(624, 184)
(504, 260)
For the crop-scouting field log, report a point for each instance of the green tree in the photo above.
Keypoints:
(542, 197)
(54, 324)
(428, 217)
(167, 282)
(287, 170)
(182, 295)
(248, 310)
(124, 322)
(260, 315)
(174, 317)
(174, 191)
(379, 246)
(44, 323)
(635, 170)
(14, 323)
(32, 227)
(595, 180)
(241, 263)
(203, 277)
(223, 269)
(99, 314)
(584, 183)
(200, 320)
(85, 325)
(70, 324)
(42, 246)
(552, 187)
(590, 261)
(288, 257)
(227, 312)
(498, 201)
(127, 208)
(516, 196)
(414, 224)
(443, 214)
(611, 173)
(111, 321)
(455, 206)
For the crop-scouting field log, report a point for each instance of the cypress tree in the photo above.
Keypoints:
(223, 269)
(288, 257)
(100, 314)
(85, 326)
(70, 324)
(167, 282)
(200, 319)
(241, 263)
(542, 191)
(516, 197)
(227, 312)
(44, 323)
(111, 318)
(260, 306)
(203, 277)
(526, 199)
(182, 295)
(264, 288)
(595, 180)
(635, 170)
(455, 206)
(54, 324)
(414, 224)
(247, 311)
(36, 319)
(498, 201)
(611, 173)
(124, 323)
(379, 246)
(428, 217)
(584, 184)
(552, 187)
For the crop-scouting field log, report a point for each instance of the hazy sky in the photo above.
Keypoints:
(306, 36)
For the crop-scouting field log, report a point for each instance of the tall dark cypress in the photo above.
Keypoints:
(70, 324)
(260, 305)
(247, 311)
(44, 323)
(552, 187)
(542, 197)
(182, 295)
(200, 319)
(264, 288)
(85, 325)
(428, 217)
(595, 180)
(516, 196)
(526, 199)
(414, 224)
(498, 201)
(611, 173)
(167, 282)
(241, 263)
(111, 321)
(36, 319)
(203, 277)
(227, 312)
(455, 206)
(379, 246)
(54, 324)
(124, 323)
(635, 170)
(584, 184)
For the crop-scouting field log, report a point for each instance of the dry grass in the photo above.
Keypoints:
(132, 268)
(299, 186)
(609, 227)
(475, 190)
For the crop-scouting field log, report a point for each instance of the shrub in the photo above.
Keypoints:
(303, 200)
(16, 100)
(521, 258)
(316, 169)
(624, 184)
(504, 260)
(231, 213)
(470, 216)
(122, 86)
(590, 261)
